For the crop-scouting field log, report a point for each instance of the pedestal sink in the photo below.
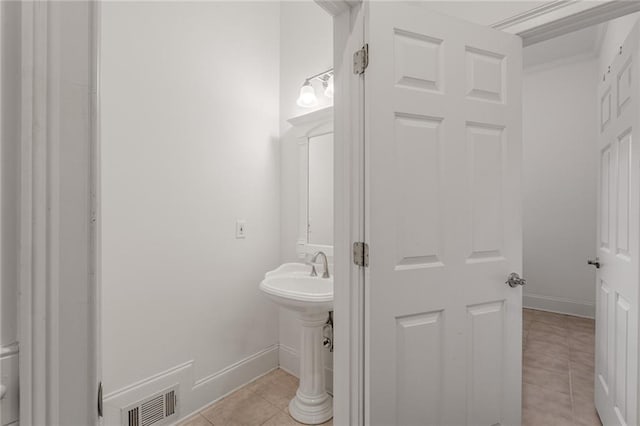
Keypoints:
(292, 287)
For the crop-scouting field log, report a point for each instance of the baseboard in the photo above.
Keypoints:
(194, 394)
(289, 361)
(559, 305)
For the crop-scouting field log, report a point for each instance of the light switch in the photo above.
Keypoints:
(241, 228)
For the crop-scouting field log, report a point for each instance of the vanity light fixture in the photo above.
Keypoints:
(308, 98)
(328, 87)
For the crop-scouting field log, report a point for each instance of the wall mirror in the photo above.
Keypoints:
(315, 218)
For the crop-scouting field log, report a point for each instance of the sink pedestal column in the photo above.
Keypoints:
(312, 404)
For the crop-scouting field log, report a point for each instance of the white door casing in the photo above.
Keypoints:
(443, 220)
(616, 382)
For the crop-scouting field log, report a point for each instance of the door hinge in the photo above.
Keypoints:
(361, 254)
(361, 60)
(100, 413)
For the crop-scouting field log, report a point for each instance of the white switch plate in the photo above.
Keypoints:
(241, 228)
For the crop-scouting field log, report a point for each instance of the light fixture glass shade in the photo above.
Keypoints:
(307, 96)
(328, 90)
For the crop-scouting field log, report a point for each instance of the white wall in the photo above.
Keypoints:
(10, 203)
(306, 48)
(560, 178)
(190, 127)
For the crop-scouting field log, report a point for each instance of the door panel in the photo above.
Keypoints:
(443, 143)
(618, 277)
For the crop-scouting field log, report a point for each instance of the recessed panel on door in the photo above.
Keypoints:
(605, 109)
(485, 351)
(604, 364)
(623, 84)
(485, 150)
(621, 360)
(418, 171)
(418, 61)
(623, 184)
(419, 369)
(605, 197)
(485, 75)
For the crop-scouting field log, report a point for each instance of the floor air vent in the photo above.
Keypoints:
(156, 410)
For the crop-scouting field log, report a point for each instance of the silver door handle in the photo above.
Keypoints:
(514, 280)
(595, 262)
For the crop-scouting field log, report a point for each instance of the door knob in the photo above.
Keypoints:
(595, 262)
(514, 280)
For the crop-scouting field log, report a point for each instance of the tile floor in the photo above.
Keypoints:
(557, 388)
(558, 366)
(263, 402)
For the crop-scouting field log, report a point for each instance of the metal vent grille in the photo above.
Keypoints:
(134, 417)
(156, 410)
(170, 404)
(152, 411)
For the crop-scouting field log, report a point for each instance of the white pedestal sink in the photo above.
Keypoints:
(292, 287)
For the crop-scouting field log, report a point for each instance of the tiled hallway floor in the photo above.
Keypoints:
(557, 388)
(263, 402)
(558, 369)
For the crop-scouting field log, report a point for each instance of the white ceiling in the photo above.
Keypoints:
(583, 42)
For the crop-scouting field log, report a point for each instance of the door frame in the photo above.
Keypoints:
(48, 33)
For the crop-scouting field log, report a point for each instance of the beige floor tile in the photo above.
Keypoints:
(545, 336)
(582, 324)
(559, 320)
(281, 419)
(545, 407)
(584, 413)
(583, 358)
(583, 341)
(582, 387)
(547, 379)
(196, 420)
(279, 392)
(548, 328)
(547, 348)
(528, 314)
(548, 362)
(284, 419)
(242, 408)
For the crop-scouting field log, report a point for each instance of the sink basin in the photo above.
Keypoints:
(290, 269)
(292, 287)
(299, 292)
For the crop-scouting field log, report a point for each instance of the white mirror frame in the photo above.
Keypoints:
(305, 127)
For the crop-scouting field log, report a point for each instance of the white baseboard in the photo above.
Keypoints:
(559, 305)
(194, 394)
(290, 362)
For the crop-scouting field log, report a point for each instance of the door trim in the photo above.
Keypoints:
(58, 230)
(562, 17)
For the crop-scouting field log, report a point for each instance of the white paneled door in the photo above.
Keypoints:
(616, 386)
(443, 220)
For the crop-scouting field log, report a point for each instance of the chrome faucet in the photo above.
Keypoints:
(314, 273)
